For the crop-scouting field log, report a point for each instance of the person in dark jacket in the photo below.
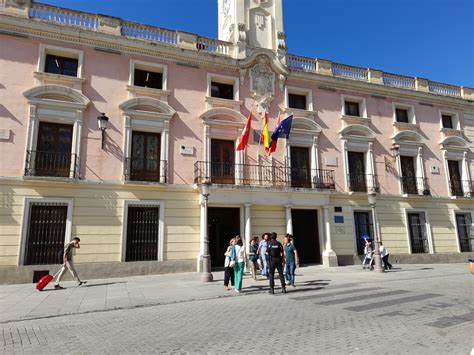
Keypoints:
(275, 255)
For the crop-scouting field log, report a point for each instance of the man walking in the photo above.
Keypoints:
(275, 254)
(262, 251)
(68, 264)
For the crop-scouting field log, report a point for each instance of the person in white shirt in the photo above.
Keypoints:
(384, 255)
(240, 259)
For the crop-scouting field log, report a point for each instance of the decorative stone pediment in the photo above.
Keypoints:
(223, 116)
(408, 137)
(56, 95)
(454, 143)
(357, 131)
(147, 107)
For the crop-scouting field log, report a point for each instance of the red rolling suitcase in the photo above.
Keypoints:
(44, 281)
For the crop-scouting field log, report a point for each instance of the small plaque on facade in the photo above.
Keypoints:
(4, 134)
(434, 169)
(331, 161)
(338, 219)
(340, 230)
(186, 150)
(337, 209)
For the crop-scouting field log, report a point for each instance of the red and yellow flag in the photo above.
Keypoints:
(265, 137)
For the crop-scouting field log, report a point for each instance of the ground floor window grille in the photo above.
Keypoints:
(418, 234)
(142, 233)
(46, 233)
(363, 226)
(466, 238)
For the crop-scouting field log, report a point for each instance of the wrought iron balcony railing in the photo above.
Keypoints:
(52, 164)
(146, 170)
(363, 182)
(415, 185)
(262, 175)
(461, 188)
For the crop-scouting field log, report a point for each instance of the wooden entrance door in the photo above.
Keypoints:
(300, 167)
(53, 150)
(224, 224)
(306, 233)
(222, 161)
(356, 171)
(408, 175)
(455, 178)
(145, 157)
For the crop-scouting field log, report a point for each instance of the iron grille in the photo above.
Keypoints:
(142, 233)
(46, 234)
(51, 164)
(418, 236)
(415, 185)
(151, 170)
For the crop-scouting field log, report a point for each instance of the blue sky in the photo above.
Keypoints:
(433, 39)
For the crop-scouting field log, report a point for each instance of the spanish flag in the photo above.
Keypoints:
(265, 137)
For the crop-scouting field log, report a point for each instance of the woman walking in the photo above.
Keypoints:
(229, 271)
(239, 263)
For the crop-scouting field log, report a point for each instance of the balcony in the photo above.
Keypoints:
(51, 164)
(461, 188)
(415, 186)
(146, 170)
(363, 183)
(262, 175)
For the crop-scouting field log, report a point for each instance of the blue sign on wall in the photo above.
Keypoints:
(338, 219)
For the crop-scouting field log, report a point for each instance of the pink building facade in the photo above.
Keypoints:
(136, 192)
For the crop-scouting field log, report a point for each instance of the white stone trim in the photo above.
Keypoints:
(454, 118)
(429, 234)
(55, 111)
(28, 201)
(147, 121)
(360, 100)
(411, 112)
(45, 49)
(298, 91)
(161, 225)
(455, 211)
(223, 79)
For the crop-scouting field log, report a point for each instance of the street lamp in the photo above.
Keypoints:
(372, 197)
(206, 275)
(102, 121)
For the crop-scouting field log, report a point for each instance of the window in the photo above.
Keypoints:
(351, 108)
(363, 226)
(148, 79)
(455, 182)
(297, 101)
(46, 233)
(466, 238)
(357, 174)
(418, 233)
(222, 161)
(145, 157)
(143, 231)
(401, 115)
(52, 156)
(447, 121)
(61, 65)
(222, 91)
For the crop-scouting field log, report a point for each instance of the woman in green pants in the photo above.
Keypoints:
(240, 259)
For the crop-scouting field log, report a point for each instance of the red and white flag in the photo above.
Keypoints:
(244, 137)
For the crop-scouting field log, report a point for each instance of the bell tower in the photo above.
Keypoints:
(252, 23)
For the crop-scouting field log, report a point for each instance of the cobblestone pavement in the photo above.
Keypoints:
(415, 310)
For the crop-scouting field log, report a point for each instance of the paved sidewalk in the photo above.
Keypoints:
(20, 302)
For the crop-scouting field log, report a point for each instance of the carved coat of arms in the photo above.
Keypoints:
(262, 84)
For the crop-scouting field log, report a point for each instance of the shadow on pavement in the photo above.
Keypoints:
(104, 284)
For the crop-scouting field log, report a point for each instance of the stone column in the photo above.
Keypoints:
(289, 221)
(248, 225)
(329, 255)
(203, 230)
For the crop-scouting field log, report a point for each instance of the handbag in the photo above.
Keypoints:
(232, 258)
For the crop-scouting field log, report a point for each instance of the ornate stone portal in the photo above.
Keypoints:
(262, 83)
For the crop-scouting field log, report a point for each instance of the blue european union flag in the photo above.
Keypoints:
(283, 129)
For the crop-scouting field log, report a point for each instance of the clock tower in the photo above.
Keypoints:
(252, 23)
